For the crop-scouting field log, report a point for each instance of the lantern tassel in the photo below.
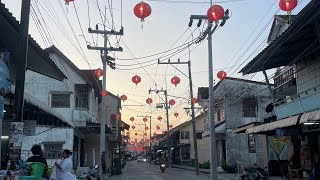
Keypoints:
(289, 16)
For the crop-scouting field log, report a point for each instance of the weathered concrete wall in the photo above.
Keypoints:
(308, 74)
(204, 149)
(53, 135)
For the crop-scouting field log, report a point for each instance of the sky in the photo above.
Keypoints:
(234, 45)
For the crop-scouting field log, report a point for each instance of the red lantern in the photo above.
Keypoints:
(133, 127)
(176, 114)
(104, 93)
(175, 80)
(123, 98)
(118, 116)
(154, 134)
(146, 128)
(132, 119)
(158, 127)
(98, 72)
(215, 13)
(288, 5)
(159, 118)
(136, 79)
(149, 101)
(145, 119)
(170, 126)
(136, 134)
(67, 1)
(145, 134)
(194, 100)
(222, 75)
(172, 102)
(142, 10)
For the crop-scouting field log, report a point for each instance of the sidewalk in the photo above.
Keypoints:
(221, 173)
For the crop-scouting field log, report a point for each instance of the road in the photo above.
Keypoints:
(145, 171)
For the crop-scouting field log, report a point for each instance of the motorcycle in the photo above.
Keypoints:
(162, 167)
(257, 174)
(92, 174)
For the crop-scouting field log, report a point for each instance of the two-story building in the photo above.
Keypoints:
(294, 50)
(238, 103)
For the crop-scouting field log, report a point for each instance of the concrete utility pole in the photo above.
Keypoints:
(209, 32)
(194, 130)
(150, 133)
(167, 114)
(110, 61)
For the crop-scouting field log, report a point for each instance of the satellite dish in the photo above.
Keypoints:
(269, 108)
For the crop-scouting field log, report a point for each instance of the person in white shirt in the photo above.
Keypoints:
(64, 168)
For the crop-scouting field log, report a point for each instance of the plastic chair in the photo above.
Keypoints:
(37, 170)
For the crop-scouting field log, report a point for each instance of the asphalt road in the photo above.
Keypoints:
(145, 171)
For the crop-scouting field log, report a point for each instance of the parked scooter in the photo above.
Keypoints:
(257, 174)
(92, 174)
(163, 167)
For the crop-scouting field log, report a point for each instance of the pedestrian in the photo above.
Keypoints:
(62, 170)
(38, 157)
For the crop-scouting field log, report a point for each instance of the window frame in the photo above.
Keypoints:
(81, 99)
(53, 153)
(247, 107)
(60, 93)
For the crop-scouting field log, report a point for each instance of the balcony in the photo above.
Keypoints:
(81, 116)
(304, 102)
(285, 82)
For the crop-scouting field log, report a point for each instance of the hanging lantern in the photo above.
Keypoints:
(170, 126)
(159, 118)
(142, 10)
(145, 119)
(133, 127)
(149, 101)
(118, 116)
(215, 13)
(68, 1)
(172, 102)
(123, 98)
(145, 134)
(104, 93)
(158, 127)
(194, 100)
(146, 128)
(98, 72)
(222, 75)
(136, 79)
(154, 134)
(176, 114)
(136, 134)
(175, 80)
(132, 119)
(288, 5)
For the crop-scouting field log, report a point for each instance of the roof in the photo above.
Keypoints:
(33, 101)
(278, 22)
(292, 45)
(203, 92)
(38, 60)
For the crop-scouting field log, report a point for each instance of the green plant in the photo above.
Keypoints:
(205, 165)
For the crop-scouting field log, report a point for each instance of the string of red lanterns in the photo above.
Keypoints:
(176, 114)
(123, 98)
(175, 80)
(142, 10)
(159, 118)
(146, 128)
(194, 100)
(288, 5)
(145, 119)
(132, 119)
(133, 127)
(172, 102)
(149, 101)
(118, 116)
(98, 72)
(158, 127)
(215, 13)
(136, 79)
(222, 75)
(170, 126)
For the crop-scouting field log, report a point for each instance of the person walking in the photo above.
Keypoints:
(62, 170)
(38, 157)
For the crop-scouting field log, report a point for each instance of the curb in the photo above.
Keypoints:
(179, 167)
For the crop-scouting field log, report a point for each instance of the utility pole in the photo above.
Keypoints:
(110, 61)
(21, 65)
(167, 114)
(150, 133)
(209, 32)
(194, 130)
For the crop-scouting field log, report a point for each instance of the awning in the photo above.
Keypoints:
(310, 117)
(93, 128)
(242, 129)
(33, 101)
(287, 122)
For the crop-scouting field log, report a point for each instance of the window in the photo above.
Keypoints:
(219, 115)
(250, 107)
(184, 135)
(199, 135)
(82, 96)
(60, 100)
(252, 143)
(52, 150)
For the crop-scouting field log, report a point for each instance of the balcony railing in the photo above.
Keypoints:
(287, 75)
(304, 102)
